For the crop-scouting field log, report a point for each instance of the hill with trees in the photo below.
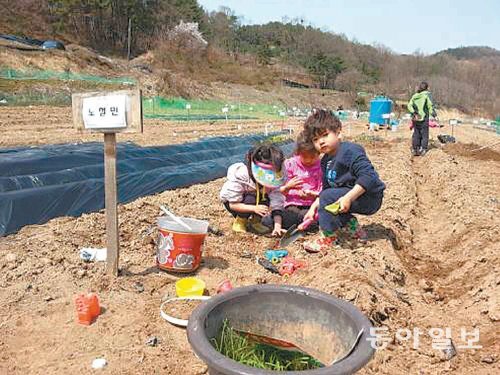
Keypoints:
(471, 53)
(466, 78)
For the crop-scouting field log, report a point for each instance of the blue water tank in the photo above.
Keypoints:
(380, 105)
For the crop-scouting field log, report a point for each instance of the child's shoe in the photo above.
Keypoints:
(356, 231)
(255, 226)
(240, 224)
(322, 243)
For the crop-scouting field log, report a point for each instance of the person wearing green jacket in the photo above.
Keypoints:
(421, 107)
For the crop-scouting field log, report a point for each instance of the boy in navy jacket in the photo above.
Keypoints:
(350, 183)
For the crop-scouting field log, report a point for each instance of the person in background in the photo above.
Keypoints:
(421, 108)
(304, 182)
(252, 192)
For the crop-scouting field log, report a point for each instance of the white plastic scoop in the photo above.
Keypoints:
(175, 218)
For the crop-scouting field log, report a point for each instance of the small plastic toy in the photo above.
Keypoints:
(224, 286)
(87, 308)
(333, 208)
(268, 265)
(274, 256)
(189, 286)
(289, 265)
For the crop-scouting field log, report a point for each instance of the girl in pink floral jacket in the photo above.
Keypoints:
(304, 182)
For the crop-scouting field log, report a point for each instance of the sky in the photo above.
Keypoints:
(404, 26)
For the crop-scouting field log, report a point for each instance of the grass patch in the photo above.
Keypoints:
(196, 108)
(367, 138)
(198, 117)
(247, 352)
(19, 92)
(46, 75)
(35, 98)
(278, 139)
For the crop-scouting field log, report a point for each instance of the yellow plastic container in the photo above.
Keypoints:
(333, 208)
(189, 286)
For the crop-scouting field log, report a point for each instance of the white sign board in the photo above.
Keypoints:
(105, 112)
(453, 122)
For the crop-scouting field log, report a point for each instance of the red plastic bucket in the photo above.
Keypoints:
(179, 249)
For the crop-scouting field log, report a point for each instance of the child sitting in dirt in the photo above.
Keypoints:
(252, 192)
(350, 183)
(304, 182)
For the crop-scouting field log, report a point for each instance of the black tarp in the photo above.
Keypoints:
(38, 184)
(24, 40)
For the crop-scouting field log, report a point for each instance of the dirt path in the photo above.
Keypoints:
(456, 243)
(432, 262)
(451, 257)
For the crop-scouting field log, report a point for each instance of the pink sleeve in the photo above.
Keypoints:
(318, 181)
(320, 185)
(290, 168)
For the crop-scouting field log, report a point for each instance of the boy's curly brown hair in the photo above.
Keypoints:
(319, 121)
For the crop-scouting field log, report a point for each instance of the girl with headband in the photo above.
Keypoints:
(251, 191)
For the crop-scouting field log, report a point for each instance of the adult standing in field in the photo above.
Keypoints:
(421, 108)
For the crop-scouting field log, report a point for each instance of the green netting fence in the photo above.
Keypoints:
(44, 75)
(179, 109)
(35, 98)
(173, 109)
(199, 117)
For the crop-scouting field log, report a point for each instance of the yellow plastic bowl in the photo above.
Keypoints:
(189, 286)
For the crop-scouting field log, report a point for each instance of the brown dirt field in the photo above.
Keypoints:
(432, 261)
(39, 125)
(474, 151)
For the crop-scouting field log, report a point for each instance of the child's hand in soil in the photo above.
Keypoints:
(278, 231)
(261, 210)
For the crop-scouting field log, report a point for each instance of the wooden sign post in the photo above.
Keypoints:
(112, 237)
(109, 113)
